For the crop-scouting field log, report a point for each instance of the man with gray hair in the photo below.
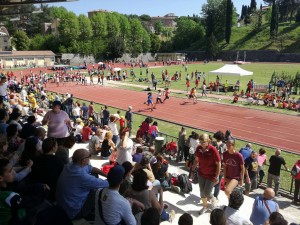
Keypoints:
(274, 170)
(76, 186)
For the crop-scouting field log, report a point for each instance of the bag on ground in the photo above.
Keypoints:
(184, 183)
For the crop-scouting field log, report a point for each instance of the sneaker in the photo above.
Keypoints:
(213, 202)
(203, 210)
(172, 215)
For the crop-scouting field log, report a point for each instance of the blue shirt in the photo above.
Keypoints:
(246, 152)
(73, 187)
(115, 208)
(3, 127)
(260, 213)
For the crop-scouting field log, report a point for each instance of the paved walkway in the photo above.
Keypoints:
(191, 202)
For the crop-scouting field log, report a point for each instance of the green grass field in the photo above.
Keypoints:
(262, 73)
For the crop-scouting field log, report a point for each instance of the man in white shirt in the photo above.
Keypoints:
(3, 88)
(232, 213)
(124, 148)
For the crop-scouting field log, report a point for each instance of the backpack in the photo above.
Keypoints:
(184, 183)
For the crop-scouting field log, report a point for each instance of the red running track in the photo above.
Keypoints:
(266, 128)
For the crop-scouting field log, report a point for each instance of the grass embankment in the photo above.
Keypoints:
(248, 38)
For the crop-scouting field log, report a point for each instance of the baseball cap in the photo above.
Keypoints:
(115, 175)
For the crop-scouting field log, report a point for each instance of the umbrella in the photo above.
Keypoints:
(117, 69)
(100, 63)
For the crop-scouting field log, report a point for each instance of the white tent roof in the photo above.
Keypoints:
(231, 70)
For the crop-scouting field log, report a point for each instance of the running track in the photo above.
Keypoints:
(266, 128)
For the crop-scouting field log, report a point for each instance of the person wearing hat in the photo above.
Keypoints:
(78, 130)
(251, 171)
(234, 169)
(58, 122)
(113, 207)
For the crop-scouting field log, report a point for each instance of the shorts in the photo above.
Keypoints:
(149, 102)
(191, 96)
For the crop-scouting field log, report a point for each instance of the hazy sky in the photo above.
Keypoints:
(150, 7)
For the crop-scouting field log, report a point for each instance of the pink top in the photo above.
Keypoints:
(261, 159)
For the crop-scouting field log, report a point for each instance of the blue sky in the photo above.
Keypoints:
(139, 7)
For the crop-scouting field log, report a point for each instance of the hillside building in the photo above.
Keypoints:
(5, 43)
(11, 59)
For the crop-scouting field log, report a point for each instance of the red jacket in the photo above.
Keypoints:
(297, 164)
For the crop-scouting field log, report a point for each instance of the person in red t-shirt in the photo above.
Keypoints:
(86, 132)
(234, 169)
(209, 163)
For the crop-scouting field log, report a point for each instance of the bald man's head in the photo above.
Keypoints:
(79, 155)
(277, 152)
(269, 193)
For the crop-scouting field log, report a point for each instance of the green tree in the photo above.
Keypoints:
(155, 43)
(125, 30)
(113, 25)
(214, 13)
(68, 31)
(145, 18)
(187, 32)
(274, 20)
(229, 13)
(37, 42)
(158, 26)
(20, 40)
(297, 17)
(99, 27)
(136, 37)
(212, 49)
(146, 41)
(84, 36)
(253, 5)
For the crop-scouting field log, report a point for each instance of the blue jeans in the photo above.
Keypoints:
(218, 186)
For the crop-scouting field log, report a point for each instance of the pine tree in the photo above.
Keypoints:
(253, 5)
(274, 20)
(229, 11)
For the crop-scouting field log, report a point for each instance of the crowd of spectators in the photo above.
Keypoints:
(39, 179)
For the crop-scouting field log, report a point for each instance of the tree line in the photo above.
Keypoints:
(109, 35)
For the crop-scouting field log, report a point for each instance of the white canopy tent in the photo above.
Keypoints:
(231, 70)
